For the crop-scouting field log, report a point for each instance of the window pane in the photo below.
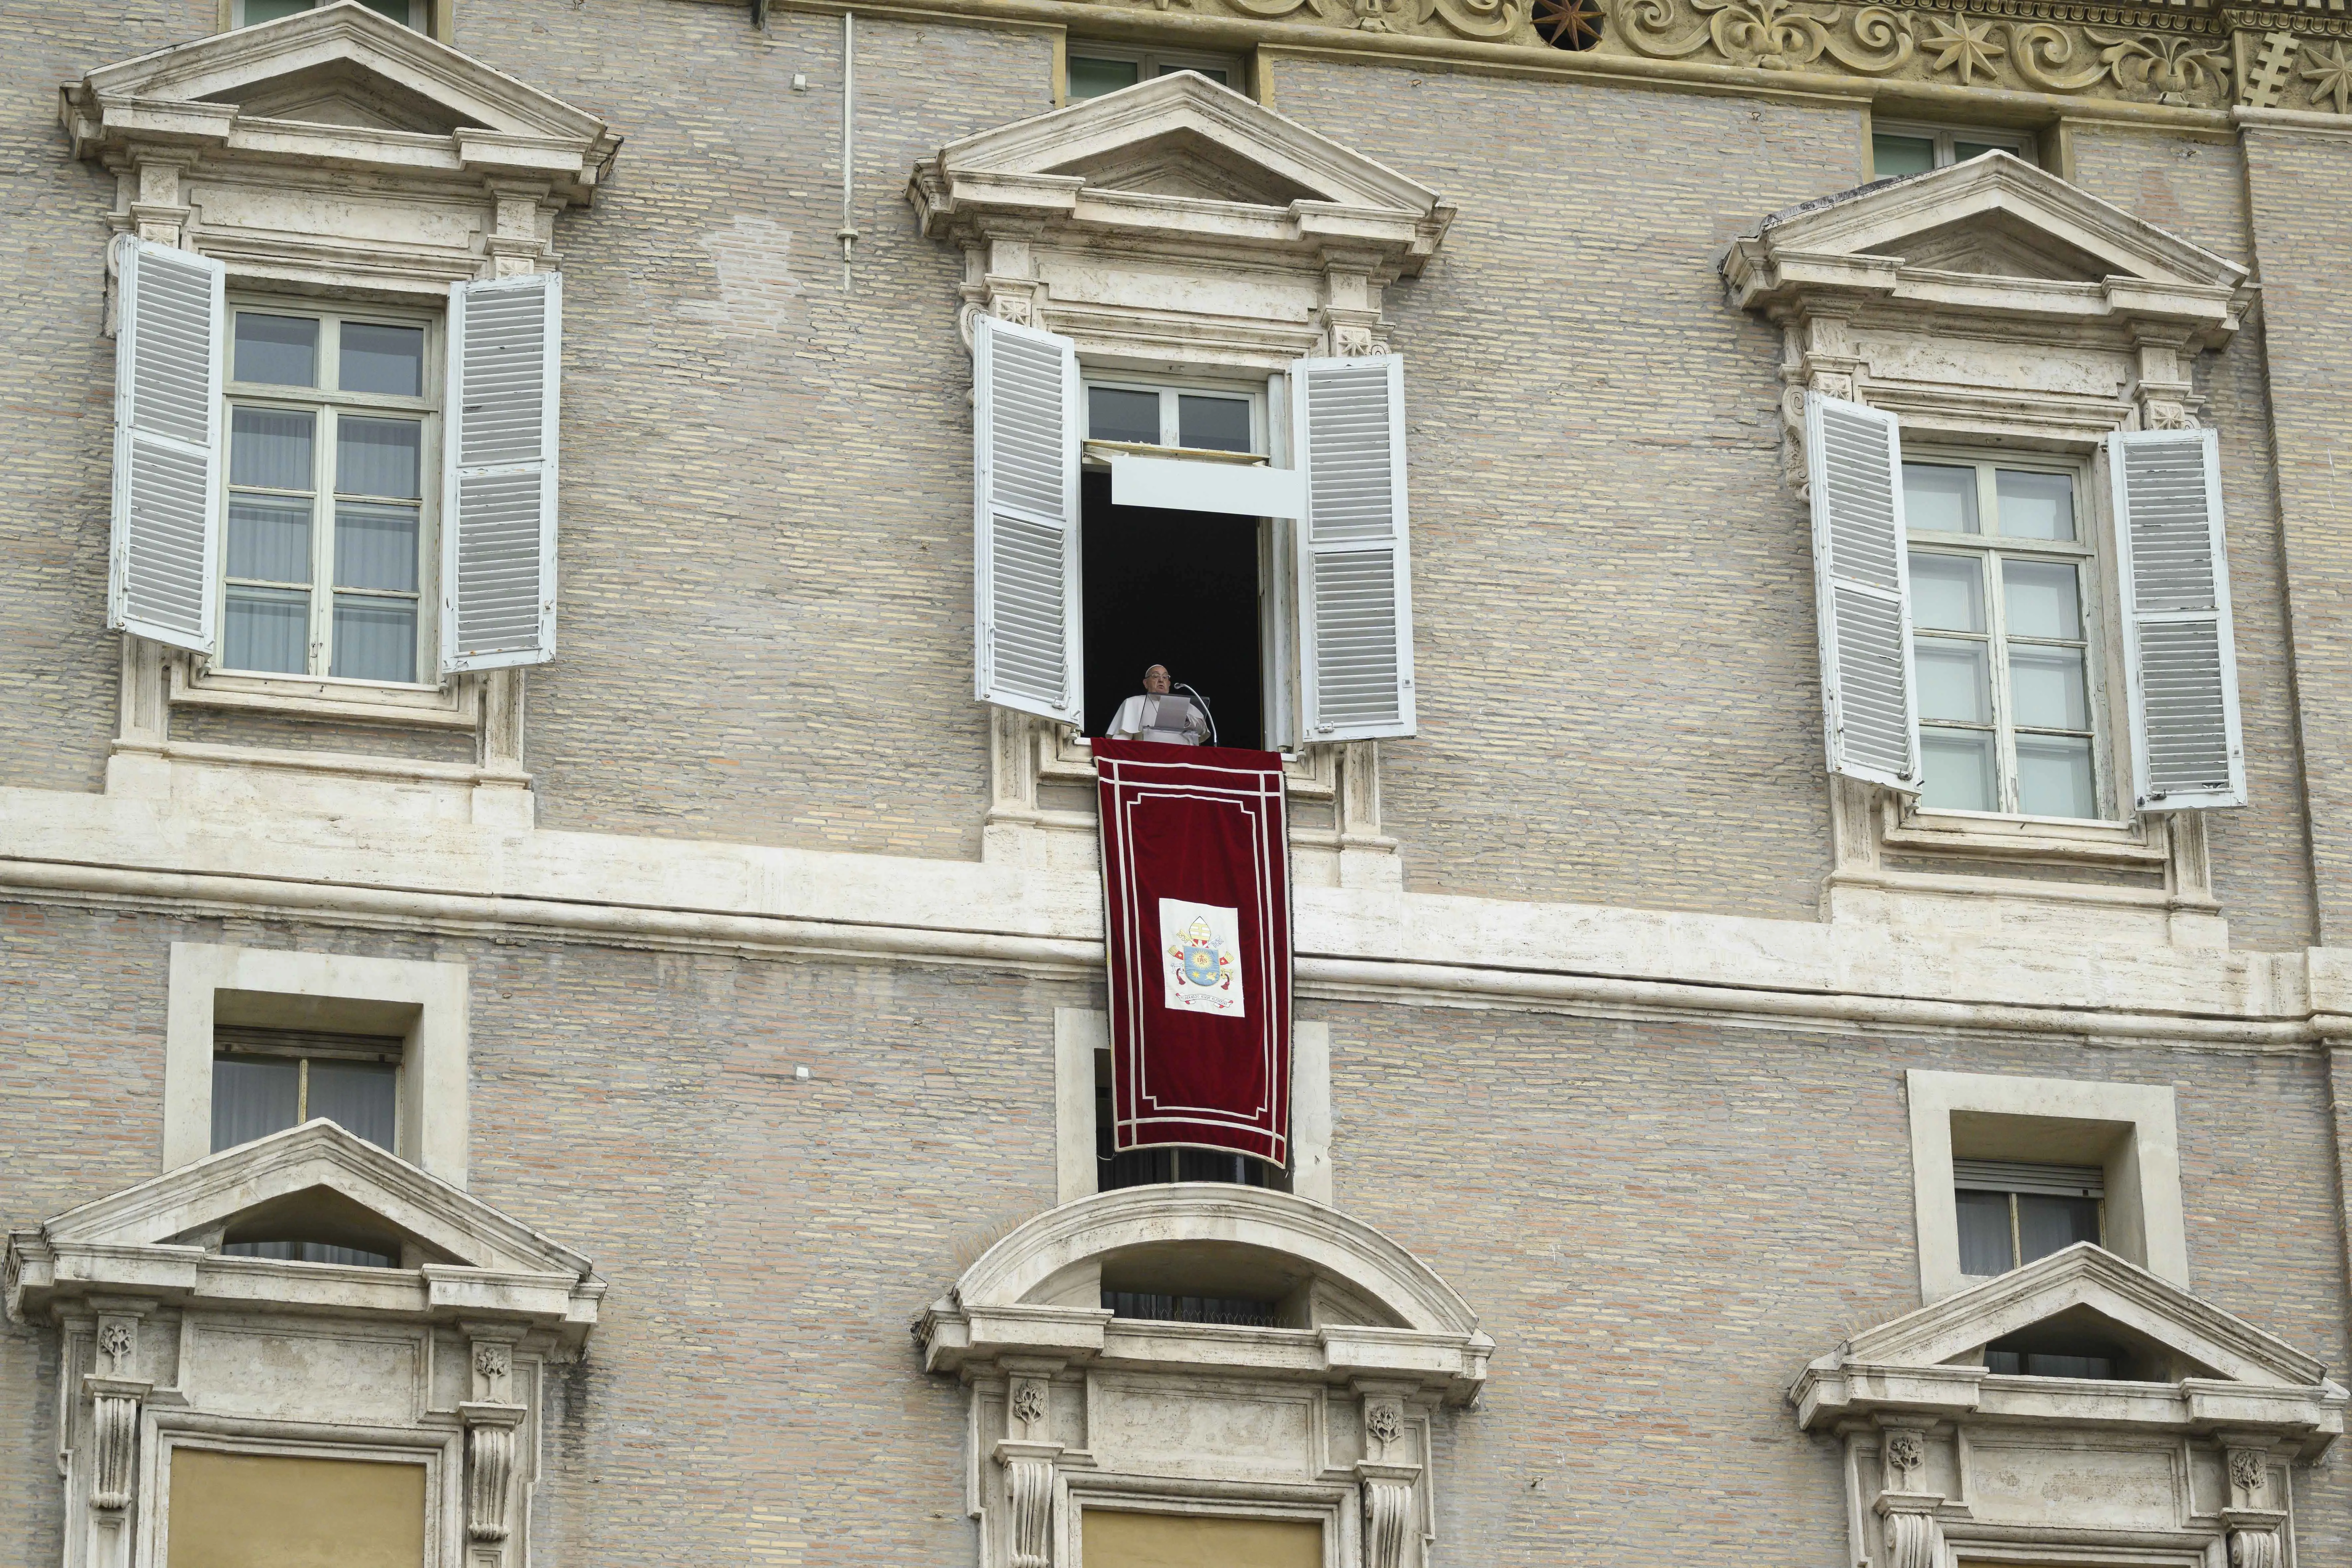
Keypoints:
(375, 546)
(2035, 506)
(1984, 1232)
(2041, 1364)
(269, 447)
(1964, 151)
(2054, 776)
(267, 630)
(400, 11)
(269, 11)
(355, 1096)
(375, 639)
(1213, 424)
(1092, 78)
(1891, 156)
(1960, 770)
(269, 539)
(252, 1097)
(1955, 679)
(282, 351)
(2045, 687)
(377, 457)
(1946, 593)
(2044, 1225)
(2042, 599)
(381, 359)
(1115, 413)
(1939, 498)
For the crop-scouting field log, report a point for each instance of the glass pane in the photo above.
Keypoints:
(1212, 72)
(375, 639)
(252, 1097)
(2044, 1225)
(269, 11)
(1939, 498)
(1092, 78)
(282, 351)
(381, 359)
(400, 11)
(1891, 156)
(269, 447)
(375, 546)
(2035, 506)
(2045, 687)
(2042, 598)
(1946, 593)
(1213, 424)
(1955, 679)
(1960, 770)
(377, 457)
(2054, 776)
(2038, 1363)
(1984, 1232)
(267, 630)
(1964, 151)
(269, 539)
(356, 1097)
(1115, 413)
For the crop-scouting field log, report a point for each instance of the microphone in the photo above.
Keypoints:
(1195, 696)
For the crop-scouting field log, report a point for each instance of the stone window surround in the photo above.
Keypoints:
(424, 1001)
(1079, 1033)
(2125, 1129)
(441, 18)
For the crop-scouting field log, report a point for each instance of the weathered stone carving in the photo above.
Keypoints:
(115, 1342)
(114, 1441)
(1029, 1406)
(2330, 75)
(1029, 1494)
(2248, 1469)
(489, 1464)
(1907, 1451)
(1387, 1520)
(1913, 1541)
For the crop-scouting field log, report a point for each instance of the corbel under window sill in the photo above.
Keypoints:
(455, 705)
(1310, 773)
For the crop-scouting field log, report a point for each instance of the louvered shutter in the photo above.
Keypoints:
(1862, 591)
(498, 495)
(1025, 436)
(2186, 748)
(1354, 574)
(167, 398)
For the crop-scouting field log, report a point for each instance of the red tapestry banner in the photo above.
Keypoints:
(1196, 888)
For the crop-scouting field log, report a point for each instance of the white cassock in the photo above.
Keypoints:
(1176, 720)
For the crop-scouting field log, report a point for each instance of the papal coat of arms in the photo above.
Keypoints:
(1201, 957)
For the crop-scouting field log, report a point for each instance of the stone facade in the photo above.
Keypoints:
(752, 943)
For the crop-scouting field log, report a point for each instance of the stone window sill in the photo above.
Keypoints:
(456, 705)
(1311, 773)
(2139, 844)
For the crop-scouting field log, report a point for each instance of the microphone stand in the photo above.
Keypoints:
(1207, 711)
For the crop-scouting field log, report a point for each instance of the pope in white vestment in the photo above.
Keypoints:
(1158, 714)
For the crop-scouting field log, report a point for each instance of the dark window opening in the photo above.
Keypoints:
(1148, 1167)
(307, 1252)
(265, 1080)
(1178, 588)
(1232, 1311)
(2028, 1354)
(2009, 1214)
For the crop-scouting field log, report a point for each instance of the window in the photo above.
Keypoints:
(1180, 588)
(408, 12)
(330, 434)
(233, 1508)
(2002, 602)
(268, 1079)
(2010, 1214)
(1142, 1167)
(1899, 149)
(1096, 68)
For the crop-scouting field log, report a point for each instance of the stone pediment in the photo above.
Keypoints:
(1994, 235)
(341, 86)
(1179, 158)
(319, 1183)
(2187, 1363)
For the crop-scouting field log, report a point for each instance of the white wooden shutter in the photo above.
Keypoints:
(2186, 748)
(1355, 572)
(167, 445)
(1025, 435)
(1862, 591)
(497, 489)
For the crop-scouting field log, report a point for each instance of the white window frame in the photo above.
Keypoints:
(420, 14)
(1170, 388)
(2096, 588)
(2020, 143)
(1153, 63)
(328, 406)
(2126, 1128)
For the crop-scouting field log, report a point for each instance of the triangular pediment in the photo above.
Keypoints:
(335, 1187)
(341, 65)
(2087, 1295)
(1182, 135)
(1994, 215)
